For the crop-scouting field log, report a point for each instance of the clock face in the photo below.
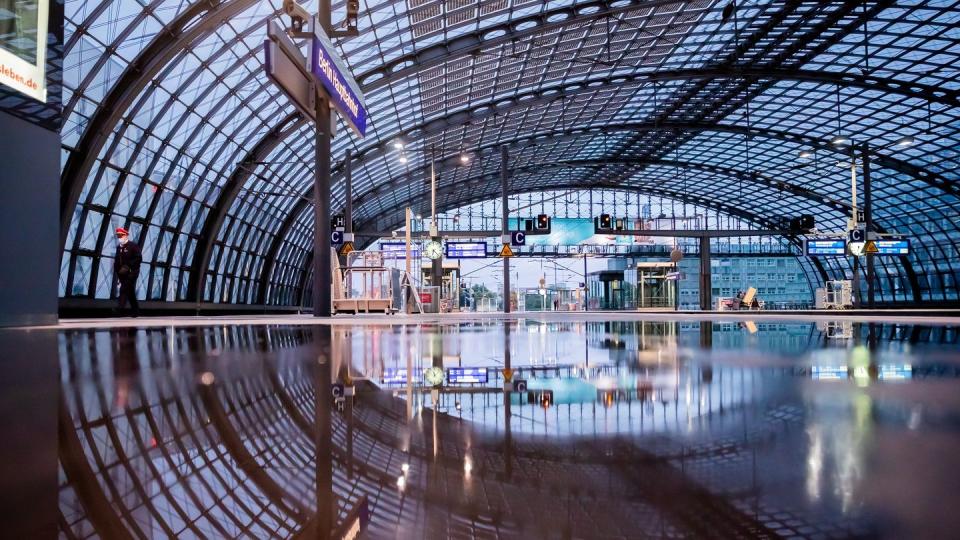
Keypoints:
(856, 248)
(433, 376)
(434, 249)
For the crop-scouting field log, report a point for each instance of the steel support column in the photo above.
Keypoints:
(505, 221)
(706, 291)
(322, 275)
(868, 220)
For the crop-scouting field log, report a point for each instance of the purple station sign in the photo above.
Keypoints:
(337, 80)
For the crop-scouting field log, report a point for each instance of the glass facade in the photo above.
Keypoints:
(172, 131)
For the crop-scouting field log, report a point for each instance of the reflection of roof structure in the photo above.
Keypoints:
(148, 449)
(172, 129)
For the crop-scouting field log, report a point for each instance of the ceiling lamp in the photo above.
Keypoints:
(398, 145)
(905, 142)
(806, 154)
(464, 159)
(840, 140)
(403, 159)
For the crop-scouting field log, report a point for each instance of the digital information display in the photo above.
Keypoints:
(466, 250)
(398, 250)
(398, 375)
(23, 46)
(820, 247)
(899, 246)
(467, 375)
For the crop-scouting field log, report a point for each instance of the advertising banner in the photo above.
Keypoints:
(579, 231)
(23, 46)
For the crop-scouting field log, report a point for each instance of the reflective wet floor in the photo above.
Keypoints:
(519, 428)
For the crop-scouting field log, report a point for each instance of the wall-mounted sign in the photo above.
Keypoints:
(468, 375)
(900, 246)
(345, 95)
(820, 247)
(23, 47)
(466, 250)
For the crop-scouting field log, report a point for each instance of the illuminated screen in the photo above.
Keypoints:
(826, 246)
(893, 247)
(467, 375)
(466, 250)
(23, 45)
(398, 250)
(398, 375)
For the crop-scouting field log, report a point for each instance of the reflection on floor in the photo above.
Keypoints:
(620, 429)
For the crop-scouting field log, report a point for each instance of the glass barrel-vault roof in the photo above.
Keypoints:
(171, 129)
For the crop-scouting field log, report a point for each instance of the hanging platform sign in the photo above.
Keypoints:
(343, 91)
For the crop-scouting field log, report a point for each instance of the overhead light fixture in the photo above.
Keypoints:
(464, 158)
(905, 142)
(806, 154)
(840, 140)
(398, 145)
(403, 158)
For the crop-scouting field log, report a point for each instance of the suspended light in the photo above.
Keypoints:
(840, 140)
(464, 158)
(905, 142)
(806, 154)
(398, 145)
(403, 158)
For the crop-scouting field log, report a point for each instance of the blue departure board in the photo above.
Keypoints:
(466, 250)
(398, 250)
(819, 247)
(900, 246)
(467, 375)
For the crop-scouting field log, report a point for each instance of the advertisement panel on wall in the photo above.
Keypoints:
(579, 231)
(23, 46)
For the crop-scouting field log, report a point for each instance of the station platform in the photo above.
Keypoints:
(912, 316)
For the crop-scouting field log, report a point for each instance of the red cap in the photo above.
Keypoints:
(122, 232)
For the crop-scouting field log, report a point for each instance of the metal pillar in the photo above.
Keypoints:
(436, 265)
(322, 275)
(347, 207)
(322, 278)
(855, 283)
(868, 221)
(706, 290)
(505, 215)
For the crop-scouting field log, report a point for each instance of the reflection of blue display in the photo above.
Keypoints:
(826, 246)
(829, 372)
(466, 250)
(893, 247)
(398, 250)
(397, 375)
(893, 372)
(467, 375)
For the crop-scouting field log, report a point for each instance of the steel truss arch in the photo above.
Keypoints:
(185, 29)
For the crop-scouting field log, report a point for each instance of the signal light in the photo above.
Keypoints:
(543, 222)
(605, 221)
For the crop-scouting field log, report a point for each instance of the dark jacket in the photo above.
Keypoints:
(127, 263)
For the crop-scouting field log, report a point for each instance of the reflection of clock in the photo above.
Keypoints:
(433, 376)
(434, 249)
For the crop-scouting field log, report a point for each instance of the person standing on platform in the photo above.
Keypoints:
(126, 268)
